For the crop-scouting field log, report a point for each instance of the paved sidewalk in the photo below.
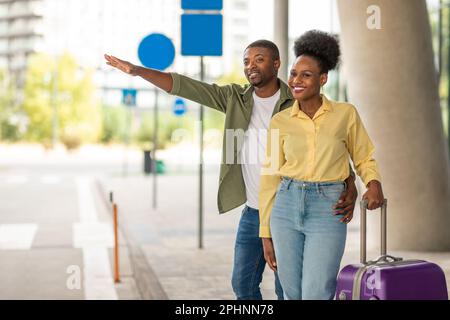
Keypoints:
(167, 238)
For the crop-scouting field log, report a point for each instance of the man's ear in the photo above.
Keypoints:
(277, 64)
(323, 79)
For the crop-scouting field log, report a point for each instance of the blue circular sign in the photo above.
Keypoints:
(156, 51)
(179, 107)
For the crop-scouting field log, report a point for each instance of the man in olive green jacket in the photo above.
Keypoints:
(239, 180)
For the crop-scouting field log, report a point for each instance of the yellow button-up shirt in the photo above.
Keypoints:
(315, 150)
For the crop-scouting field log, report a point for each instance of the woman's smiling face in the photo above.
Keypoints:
(305, 78)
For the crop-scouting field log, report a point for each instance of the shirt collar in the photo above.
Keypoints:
(326, 106)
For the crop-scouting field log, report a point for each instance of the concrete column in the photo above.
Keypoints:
(392, 81)
(281, 34)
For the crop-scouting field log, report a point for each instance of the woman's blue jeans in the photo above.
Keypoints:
(309, 240)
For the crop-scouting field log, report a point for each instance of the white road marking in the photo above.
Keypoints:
(93, 234)
(50, 179)
(17, 236)
(16, 179)
(94, 238)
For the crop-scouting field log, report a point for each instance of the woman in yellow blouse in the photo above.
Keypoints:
(308, 149)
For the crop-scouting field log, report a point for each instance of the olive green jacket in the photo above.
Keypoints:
(236, 102)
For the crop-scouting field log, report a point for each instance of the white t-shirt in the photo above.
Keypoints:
(253, 151)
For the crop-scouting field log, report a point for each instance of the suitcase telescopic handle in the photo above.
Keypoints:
(364, 229)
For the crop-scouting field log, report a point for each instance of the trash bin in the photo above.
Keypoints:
(147, 162)
(160, 167)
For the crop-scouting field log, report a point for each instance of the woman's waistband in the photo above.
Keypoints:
(313, 184)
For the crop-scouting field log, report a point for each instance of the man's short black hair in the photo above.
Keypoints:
(322, 46)
(268, 45)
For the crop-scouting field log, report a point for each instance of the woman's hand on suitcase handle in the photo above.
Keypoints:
(374, 195)
(346, 202)
(269, 253)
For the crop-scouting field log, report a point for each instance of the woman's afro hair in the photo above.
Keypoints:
(320, 45)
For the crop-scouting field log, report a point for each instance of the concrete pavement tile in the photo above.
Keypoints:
(127, 289)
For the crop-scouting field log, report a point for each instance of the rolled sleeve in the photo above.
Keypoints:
(361, 150)
(176, 84)
(264, 232)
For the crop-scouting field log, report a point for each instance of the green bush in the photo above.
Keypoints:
(113, 124)
(9, 132)
(167, 124)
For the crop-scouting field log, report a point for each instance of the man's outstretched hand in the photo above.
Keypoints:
(122, 65)
(162, 80)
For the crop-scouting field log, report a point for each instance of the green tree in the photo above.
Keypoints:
(113, 124)
(61, 85)
(9, 130)
(444, 77)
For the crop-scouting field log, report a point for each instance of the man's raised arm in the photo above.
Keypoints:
(162, 80)
(209, 95)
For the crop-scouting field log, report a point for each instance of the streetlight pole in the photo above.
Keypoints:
(155, 146)
(54, 102)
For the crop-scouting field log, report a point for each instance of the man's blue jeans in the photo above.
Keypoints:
(249, 260)
(309, 240)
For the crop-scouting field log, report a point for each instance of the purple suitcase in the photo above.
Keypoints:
(389, 278)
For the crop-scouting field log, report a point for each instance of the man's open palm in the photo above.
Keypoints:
(122, 65)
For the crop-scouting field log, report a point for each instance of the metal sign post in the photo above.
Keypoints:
(54, 102)
(156, 51)
(200, 169)
(201, 35)
(129, 100)
(155, 147)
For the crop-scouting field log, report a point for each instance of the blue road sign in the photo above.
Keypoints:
(179, 107)
(156, 51)
(201, 34)
(129, 97)
(201, 4)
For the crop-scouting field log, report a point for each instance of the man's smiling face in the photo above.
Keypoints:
(260, 66)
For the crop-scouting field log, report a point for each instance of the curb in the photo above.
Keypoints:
(146, 280)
